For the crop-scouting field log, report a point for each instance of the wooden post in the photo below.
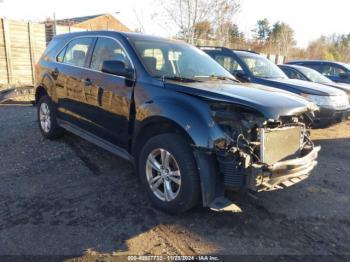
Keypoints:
(31, 50)
(272, 58)
(7, 43)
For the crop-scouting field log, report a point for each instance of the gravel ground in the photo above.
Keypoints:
(68, 197)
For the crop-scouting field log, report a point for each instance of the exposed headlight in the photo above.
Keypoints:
(333, 101)
(234, 120)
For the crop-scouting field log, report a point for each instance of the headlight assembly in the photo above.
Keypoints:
(332, 101)
(235, 120)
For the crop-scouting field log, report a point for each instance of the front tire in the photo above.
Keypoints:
(47, 118)
(168, 172)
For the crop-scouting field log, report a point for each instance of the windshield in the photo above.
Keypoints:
(262, 67)
(314, 76)
(347, 66)
(177, 60)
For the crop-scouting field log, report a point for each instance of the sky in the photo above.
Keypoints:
(309, 18)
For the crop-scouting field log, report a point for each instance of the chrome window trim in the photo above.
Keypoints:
(90, 69)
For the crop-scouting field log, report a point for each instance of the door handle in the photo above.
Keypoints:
(99, 96)
(88, 82)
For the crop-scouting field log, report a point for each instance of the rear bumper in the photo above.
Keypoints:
(281, 174)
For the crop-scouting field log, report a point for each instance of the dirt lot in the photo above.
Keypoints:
(68, 197)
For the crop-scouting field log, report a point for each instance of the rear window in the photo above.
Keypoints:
(50, 51)
(229, 63)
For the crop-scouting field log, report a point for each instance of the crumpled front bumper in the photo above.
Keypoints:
(281, 174)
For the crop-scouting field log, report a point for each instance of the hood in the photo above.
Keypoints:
(271, 102)
(342, 86)
(300, 86)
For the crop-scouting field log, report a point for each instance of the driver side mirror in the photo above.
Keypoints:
(241, 76)
(344, 75)
(118, 68)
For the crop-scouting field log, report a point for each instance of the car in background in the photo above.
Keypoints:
(336, 71)
(249, 66)
(311, 75)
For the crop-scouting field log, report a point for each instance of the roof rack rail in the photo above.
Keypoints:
(212, 47)
(225, 48)
(246, 50)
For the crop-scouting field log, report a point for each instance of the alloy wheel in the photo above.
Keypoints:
(44, 115)
(163, 174)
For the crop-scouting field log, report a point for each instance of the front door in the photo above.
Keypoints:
(108, 96)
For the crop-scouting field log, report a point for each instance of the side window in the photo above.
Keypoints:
(228, 63)
(76, 51)
(107, 49)
(291, 73)
(288, 72)
(332, 70)
(299, 76)
(314, 66)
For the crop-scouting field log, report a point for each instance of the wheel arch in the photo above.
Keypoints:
(39, 92)
(153, 126)
(183, 114)
(45, 86)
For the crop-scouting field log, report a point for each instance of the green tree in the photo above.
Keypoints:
(234, 32)
(282, 36)
(262, 30)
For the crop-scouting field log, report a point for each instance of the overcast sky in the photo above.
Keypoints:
(309, 18)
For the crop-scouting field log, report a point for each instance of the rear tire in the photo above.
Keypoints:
(168, 172)
(47, 118)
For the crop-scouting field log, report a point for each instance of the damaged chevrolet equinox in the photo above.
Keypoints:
(190, 128)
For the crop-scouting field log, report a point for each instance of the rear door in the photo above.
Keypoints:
(108, 97)
(72, 59)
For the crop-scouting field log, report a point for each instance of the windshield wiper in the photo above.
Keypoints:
(179, 78)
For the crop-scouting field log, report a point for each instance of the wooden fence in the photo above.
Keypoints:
(21, 46)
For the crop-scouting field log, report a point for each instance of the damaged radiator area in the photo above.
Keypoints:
(272, 156)
(280, 143)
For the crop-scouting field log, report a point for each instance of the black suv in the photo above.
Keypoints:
(251, 67)
(189, 128)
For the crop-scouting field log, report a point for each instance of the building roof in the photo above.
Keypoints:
(93, 22)
(76, 20)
